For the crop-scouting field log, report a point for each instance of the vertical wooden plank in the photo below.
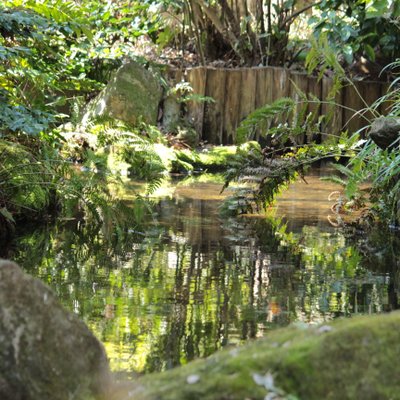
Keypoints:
(353, 103)
(195, 109)
(242, 9)
(264, 86)
(314, 90)
(237, 10)
(261, 87)
(298, 82)
(248, 92)
(332, 111)
(252, 7)
(263, 92)
(298, 92)
(327, 110)
(269, 81)
(314, 96)
(281, 83)
(387, 105)
(214, 112)
(372, 92)
(280, 88)
(232, 105)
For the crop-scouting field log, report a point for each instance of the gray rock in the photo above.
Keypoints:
(132, 93)
(171, 113)
(188, 135)
(384, 131)
(45, 351)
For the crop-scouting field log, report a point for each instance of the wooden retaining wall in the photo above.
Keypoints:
(237, 92)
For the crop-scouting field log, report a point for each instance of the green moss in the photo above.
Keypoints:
(146, 160)
(133, 93)
(347, 359)
(219, 158)
(216, 158)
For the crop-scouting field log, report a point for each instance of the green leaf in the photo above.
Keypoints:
(396, 9)
(348, 54)
(7, 215)
(376, 9)
(370, 52)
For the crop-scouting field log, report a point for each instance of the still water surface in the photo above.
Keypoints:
(194, 281)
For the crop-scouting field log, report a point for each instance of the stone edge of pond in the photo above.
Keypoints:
(344, 359)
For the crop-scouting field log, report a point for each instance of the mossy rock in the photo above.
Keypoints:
(385, 132)
(348, 359)
(46, 352)
(220, 158)
(133, 93)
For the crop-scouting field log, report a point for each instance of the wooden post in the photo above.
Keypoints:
(333, 112)
(314, 90)
(269, 80)
(281, 83)
(298, 91)
(372, 92)
(262, 88)
(195, 109)
(280, 86)
(248, 93)
(264, 80)
(214, 112)
(354, 106)
(387, 105)
(232, 105)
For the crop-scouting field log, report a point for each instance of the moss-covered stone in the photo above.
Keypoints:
(219, 158)
(385, 132)
(347, 359)
(46, 353)
(133, 93)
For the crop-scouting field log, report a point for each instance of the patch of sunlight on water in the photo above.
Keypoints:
(196, 281)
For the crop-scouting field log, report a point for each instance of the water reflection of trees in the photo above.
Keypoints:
(197, 282)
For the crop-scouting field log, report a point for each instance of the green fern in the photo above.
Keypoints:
(260, 118)
(335, 179)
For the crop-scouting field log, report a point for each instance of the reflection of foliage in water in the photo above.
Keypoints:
(197, 283)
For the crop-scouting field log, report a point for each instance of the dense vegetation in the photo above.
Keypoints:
(56, 55)
(158, 298)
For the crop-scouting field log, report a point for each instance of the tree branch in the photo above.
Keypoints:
(226, 33)
(297, 13)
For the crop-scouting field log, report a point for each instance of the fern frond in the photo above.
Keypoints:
(259, 117)
(345, 170)
(334, 179)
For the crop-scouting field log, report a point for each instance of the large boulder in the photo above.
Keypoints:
(385, 131)
(45, 351)
(132, 93)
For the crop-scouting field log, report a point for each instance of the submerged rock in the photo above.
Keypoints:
(385, 131)
(348, 359)
(133, 93)
(45, 351)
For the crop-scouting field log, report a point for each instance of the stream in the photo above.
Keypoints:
(194, 281)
